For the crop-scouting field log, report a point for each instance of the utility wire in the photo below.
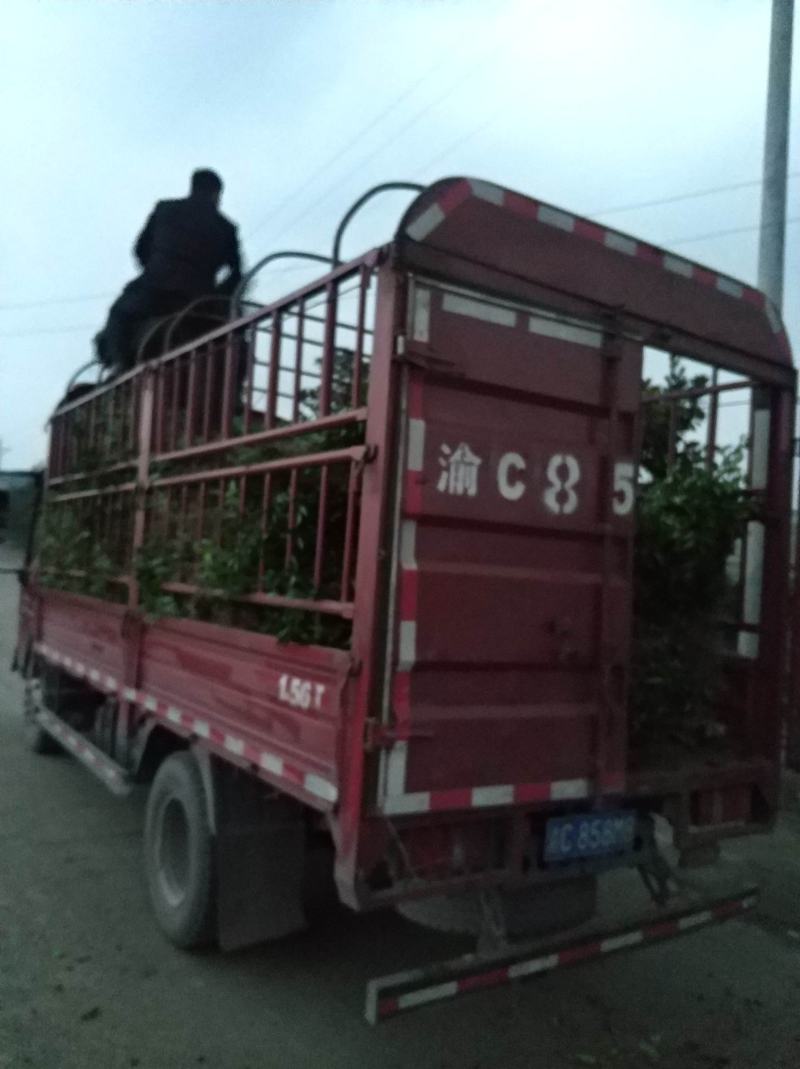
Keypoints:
(409, 91)
(686, 196)
(721, 233)
(54, 300)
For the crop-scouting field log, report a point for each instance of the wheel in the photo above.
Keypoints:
(36, 739)
(178, 855)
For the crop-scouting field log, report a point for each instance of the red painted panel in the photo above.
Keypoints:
(517, 548)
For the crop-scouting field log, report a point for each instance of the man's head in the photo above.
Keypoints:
(207, 185)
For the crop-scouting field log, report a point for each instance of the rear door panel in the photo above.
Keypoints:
(513, 595)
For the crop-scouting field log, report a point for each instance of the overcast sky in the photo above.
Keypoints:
(594, 105)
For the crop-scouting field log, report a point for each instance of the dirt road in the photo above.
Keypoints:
(87, 981)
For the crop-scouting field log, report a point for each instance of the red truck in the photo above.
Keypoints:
(355, 569)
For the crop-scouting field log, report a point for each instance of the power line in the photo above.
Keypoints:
(344, 149)
(686, 196)
(54, 300)
(47, 330)
(722, 233)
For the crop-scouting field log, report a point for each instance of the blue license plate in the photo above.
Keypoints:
(589, 835)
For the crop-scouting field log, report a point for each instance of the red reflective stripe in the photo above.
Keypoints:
(409, 588)
(294, 774)
(728, 909)
(522, 205)
(401, 698)
(484, 979)
(660, 930)
(454, 195)
(532, 792)
(456, 798)
(650, 254)
(753, 296)
(580, 953)
(585, 228)
(387, 1007)
(702, 275)
(415, 396)
(413, 493)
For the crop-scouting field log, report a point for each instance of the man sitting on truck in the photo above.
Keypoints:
(182, 248)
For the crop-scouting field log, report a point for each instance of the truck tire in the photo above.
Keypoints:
(178, 854)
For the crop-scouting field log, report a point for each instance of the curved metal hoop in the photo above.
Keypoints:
(384, 187)
(236, 296)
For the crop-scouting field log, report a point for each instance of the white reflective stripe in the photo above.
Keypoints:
(420, 227)
(129, 694)
(729, 286)
(748, 903)
(408, 544)
(89, 757)
(111, 683)
(695, 919)
(773, 315)
(487, 191)
(490, 313)
(748, 644)
(94, 675)
(396, 768)
(502, 795)
(422, 314)
(151, 703)
(759, 464)
(618, 242)
(395, 804)
(553, 328)
(174, 715)
(678, 266)
(67, 661)
(569, 788)
(407, 651)
(201, 728)
(554, 217)
(528, 968)
(236, 746)
(270, 763)
(618, 942)
(320, 787)
(427, 994)
(416, 444)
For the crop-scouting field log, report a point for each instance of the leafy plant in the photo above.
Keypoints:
(689, 516)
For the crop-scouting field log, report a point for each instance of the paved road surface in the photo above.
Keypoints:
(86, 980)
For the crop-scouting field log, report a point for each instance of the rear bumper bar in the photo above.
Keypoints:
(389, 995)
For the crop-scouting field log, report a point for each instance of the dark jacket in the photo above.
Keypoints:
(184, 244)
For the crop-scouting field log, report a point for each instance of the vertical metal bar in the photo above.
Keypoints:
(176, 390)
(250, 343)
(227, 390)
(672, 443)
(713, 411)
(347, 565)
(322, 528)
(298, 360)
(266, 494)
(188, 437)
(290, 518)
(274, 370)
(329, 344)
(365, 276)
(609, 708)
(207, 394)
(142, 476)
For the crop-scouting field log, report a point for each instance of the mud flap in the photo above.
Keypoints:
(259, 855)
